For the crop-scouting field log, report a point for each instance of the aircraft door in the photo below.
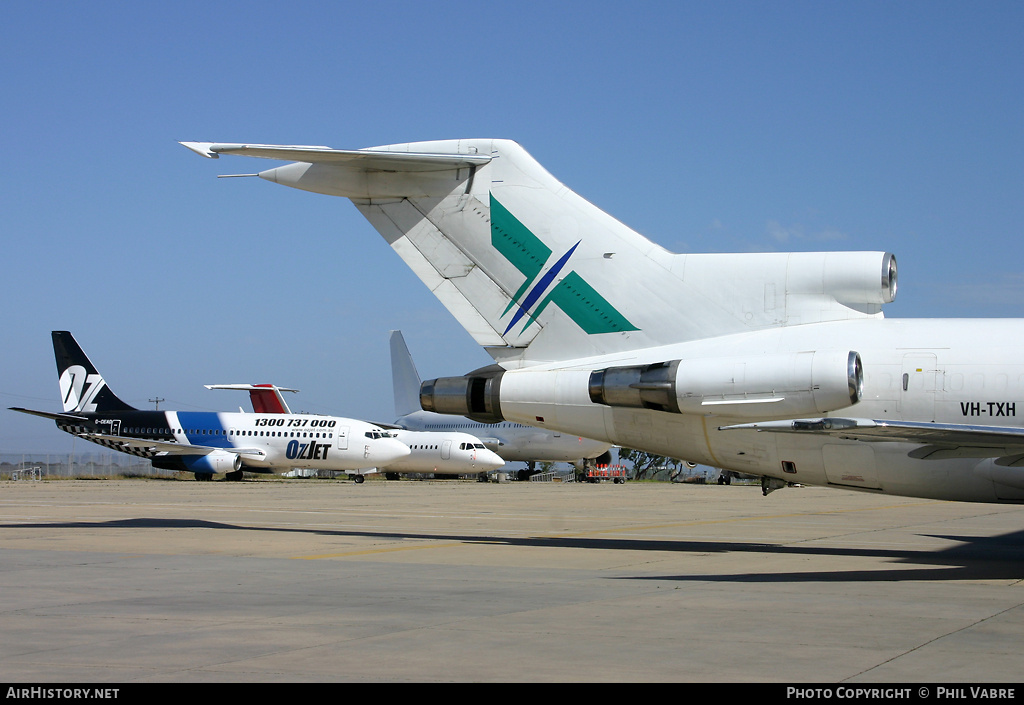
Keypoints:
(850, 464)
(917, 387)
(342, 432)
(446, 450)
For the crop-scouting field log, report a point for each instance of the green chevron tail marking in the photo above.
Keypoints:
(585, 306)
(527, 253)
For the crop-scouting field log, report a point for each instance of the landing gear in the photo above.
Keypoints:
(358, 479)
(235, 476)
(204, 476)
(725, 478)
(391, 476)
(770, 484)
(530, 471)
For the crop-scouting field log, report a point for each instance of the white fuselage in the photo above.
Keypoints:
(947, 371)
(285, 441)
(512, 441)
(428, 452)
(443, 453)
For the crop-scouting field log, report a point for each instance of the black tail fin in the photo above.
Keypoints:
(81, 386)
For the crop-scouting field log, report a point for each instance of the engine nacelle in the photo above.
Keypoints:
(477, 395)
(849, 277)
(783, 385)
(766, 386)
(219, 461)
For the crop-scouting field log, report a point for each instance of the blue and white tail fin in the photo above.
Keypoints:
(535, 273)
(82, 387)
(405, 380)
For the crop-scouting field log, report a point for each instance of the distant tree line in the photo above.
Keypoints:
(647, 465)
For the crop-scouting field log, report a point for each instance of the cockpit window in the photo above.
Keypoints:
(380, 434)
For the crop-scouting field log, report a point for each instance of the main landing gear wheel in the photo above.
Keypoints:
(358, 479)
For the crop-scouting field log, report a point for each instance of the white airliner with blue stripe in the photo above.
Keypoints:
(433, 452)
(207, 443)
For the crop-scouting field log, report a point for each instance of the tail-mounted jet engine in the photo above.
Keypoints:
(782, 385)
(779, 385)
(477, 395)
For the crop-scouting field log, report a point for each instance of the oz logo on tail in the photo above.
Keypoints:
(78, 389)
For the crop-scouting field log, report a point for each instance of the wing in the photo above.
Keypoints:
(361, 158)
(936, 441)
(169, 447)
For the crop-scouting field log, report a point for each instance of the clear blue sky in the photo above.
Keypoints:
(707, 126)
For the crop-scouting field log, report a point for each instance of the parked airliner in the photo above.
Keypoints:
(205, 443)
(432, 452)
(780, 365)
(512, 441)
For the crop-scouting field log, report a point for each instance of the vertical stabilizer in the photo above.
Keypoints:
(537, 274)
(265, 398)
(82, 388)
(404, 378)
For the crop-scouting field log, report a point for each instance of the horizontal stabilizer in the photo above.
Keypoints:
(266, 398)
(357, 158)
(65, 418)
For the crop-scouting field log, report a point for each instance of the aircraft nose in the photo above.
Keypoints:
(388, 450)
(489, 460)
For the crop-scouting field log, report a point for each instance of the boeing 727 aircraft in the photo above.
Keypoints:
(432, 452)
(205, 443)
(775, 364)
(512, 441)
